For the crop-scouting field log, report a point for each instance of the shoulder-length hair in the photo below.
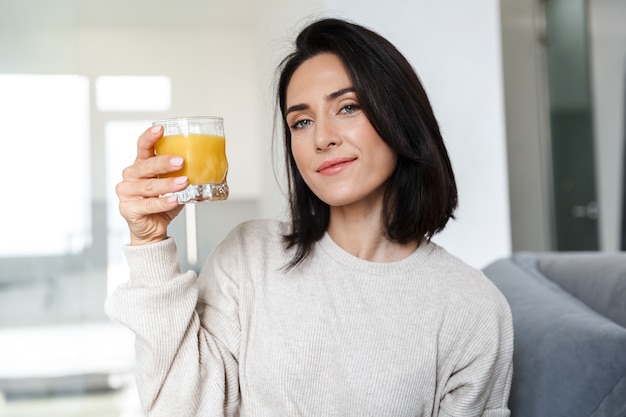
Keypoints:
(420, 196)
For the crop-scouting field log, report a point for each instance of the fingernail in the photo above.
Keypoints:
(177, 161)
(172, 198)
(180, 180)
(156, 128)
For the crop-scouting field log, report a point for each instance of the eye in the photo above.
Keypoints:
(350, 108)
(301, 124)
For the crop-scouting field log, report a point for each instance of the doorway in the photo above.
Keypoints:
(575, 208)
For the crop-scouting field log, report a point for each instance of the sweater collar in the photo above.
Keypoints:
(349, 261)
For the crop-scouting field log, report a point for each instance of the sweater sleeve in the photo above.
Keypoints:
(480, 380)
(184, 368)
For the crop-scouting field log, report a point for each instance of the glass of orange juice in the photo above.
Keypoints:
(200, 141)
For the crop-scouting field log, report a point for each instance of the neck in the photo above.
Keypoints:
(361, 234)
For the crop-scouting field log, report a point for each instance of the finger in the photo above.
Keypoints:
(136, 210)
(153, 166)
(151, 187)
(145, 143)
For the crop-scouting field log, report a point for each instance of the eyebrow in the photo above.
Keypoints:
(330, 97)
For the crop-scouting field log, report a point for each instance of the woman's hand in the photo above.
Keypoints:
(147, 214)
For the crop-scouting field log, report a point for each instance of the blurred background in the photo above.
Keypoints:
(530, 96)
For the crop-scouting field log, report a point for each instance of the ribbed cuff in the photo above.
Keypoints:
(153, 264)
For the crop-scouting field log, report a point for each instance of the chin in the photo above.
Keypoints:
(339, 201)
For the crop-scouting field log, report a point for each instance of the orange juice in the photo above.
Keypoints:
(204, 155)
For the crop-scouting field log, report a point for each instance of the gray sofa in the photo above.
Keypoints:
(569, 316)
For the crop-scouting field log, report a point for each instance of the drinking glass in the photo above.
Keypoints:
(200, 141)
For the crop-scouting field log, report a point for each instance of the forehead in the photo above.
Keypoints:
(317, 76)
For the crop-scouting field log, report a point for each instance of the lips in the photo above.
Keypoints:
(334, 166)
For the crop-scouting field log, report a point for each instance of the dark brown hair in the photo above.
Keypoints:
(421, 195)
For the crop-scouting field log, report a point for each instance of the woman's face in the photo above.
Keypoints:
(337, 151)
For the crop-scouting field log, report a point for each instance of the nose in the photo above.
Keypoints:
(326, 135)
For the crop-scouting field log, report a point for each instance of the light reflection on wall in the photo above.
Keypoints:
(133, 93)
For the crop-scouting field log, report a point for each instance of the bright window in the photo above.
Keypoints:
(45, 170)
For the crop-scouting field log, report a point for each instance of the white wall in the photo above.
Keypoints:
(608, 78)
(454, 45)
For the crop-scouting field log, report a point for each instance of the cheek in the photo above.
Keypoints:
(386, 157)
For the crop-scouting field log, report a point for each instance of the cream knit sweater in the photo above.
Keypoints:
(338, 336)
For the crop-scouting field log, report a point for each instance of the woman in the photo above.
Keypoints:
(348, 309)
